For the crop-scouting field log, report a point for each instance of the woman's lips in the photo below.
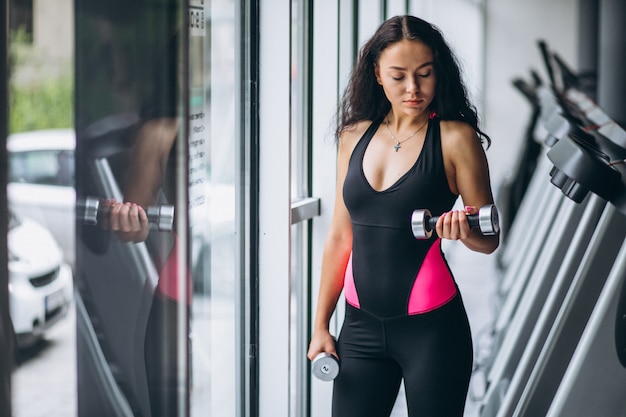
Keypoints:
(413, 102)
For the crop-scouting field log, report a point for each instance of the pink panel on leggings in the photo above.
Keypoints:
(348, 286)
(434, 285)
(168, 278)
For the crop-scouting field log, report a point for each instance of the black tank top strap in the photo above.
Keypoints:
(361, 146)
(432, 153)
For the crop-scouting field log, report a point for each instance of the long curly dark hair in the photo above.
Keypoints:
(364, 98)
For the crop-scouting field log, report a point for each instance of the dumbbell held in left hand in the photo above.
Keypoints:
(325, 367)
(487, 221)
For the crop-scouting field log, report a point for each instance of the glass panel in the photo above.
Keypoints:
(132, 303)
(214, 150)
(40, 192)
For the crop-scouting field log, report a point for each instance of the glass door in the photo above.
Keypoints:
(133, 297)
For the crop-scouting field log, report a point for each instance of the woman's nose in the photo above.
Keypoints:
(412, 85)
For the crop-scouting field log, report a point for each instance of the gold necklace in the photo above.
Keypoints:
(398, 142)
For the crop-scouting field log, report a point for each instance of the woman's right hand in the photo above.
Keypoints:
(321, 341)
(128, 220)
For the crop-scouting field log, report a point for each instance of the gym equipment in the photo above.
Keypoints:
(523, 323)
(580, 167)
(560, 328)
(513, 188)
(90, 211)
(423, 223)
(574, 311)
(557, 126)
(594, 370)
(325, 367)
(589, 157)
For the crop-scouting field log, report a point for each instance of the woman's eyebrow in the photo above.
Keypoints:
(399, 68)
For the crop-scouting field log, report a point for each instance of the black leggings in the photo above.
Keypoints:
(431, 351)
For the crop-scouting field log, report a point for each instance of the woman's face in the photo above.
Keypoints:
(406, 72)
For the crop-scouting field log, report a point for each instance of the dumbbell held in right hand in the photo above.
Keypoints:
(487, 221)
(89, 210)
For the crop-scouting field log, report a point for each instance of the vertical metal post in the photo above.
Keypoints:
(612, 59)
(248, 160)
(588, 33)
(6, 331)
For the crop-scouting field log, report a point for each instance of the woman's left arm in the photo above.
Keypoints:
(467, 171)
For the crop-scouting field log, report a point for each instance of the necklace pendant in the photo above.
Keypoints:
(397, 146)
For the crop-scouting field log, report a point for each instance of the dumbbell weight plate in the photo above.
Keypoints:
(325, 367)
(489, 220)
(162, 216)
(419, 224)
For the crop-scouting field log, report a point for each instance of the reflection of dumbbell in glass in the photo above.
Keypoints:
(325, 367)
(89, 210)
(487, 221)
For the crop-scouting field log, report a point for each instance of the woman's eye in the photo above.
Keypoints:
(397, 77)
(427, 74)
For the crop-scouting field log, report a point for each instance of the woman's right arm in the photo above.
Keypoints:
(337, 250)
(154, 142)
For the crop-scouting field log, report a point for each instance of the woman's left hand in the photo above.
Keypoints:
(454, 225)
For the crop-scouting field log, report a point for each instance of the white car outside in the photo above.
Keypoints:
(41, 182)
(40, 282)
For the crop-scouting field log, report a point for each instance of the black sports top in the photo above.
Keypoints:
(391, 273)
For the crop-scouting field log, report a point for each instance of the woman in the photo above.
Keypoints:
(408, 139)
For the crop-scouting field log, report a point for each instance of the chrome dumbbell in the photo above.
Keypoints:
(90, 211)
(325, 367)
(487, 221)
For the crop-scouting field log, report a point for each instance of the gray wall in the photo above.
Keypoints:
(512, 30)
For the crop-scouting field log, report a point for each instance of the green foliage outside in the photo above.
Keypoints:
(39, 98)
(44, 105)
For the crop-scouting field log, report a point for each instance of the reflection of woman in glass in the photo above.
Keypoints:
(150, 181)
(408, 139)
(148, 176)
